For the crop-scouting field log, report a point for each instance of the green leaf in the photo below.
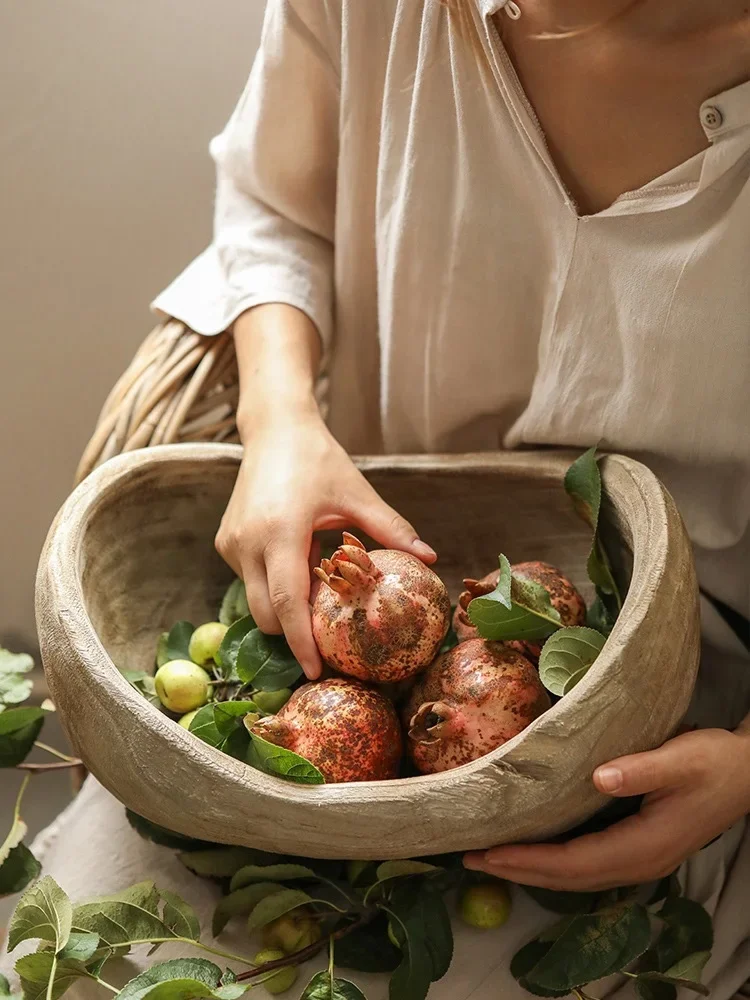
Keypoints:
(81, 946)
(234, 604)
(15, 687)
(125, 917)
(269, 873)
(178, 641)
(18, 828)
(684, 974)
(19, 727)
(688, 929)
(281, 763)
(18, 870)
(567, 656)
(5, 990)
(179, 916)
(524, 961)
(43, 913)
(422, 920)
(230, 646)
(561, 902)
(240, 903)
(593, 946)
(159, 835)
(221, 862)
(324, 986)
(266, 662)
(274, 906)
(368, 949)
(143, 683)
(583, 482)
(516, 609)
(182, 977)
(35, 972)
(399, 869)
(599, 617)
(219, 721)
(162, 653)
(652, 990)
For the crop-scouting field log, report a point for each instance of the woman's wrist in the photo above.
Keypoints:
(277, 411)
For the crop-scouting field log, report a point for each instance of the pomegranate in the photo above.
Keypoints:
(563, 595)
(379, 616)
(348, 731)
(471, 700)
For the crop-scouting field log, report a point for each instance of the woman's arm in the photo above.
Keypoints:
(294, 478)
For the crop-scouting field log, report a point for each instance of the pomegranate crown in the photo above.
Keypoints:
(349, 569)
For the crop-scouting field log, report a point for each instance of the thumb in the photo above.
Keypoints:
(641, 773)
(385, 525)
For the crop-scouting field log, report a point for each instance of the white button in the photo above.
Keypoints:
(711, 117)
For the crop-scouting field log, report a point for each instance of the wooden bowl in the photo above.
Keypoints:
(131, 552)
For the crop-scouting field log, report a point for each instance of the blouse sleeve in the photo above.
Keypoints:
(276, 182)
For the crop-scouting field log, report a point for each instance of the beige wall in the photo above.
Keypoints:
(106, 109)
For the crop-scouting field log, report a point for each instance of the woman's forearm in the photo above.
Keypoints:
(278, 355)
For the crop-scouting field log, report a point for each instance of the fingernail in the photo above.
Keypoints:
(609, 779)
(472, 863)
(423, 549)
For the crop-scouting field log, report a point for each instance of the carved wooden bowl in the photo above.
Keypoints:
(131, 552)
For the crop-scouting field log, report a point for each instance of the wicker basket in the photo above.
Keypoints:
(180, 386)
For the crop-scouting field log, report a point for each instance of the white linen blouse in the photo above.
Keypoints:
(381, 177)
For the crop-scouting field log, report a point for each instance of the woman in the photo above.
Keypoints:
(491, 224)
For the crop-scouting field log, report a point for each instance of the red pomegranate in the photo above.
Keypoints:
(380, 616)
(470, 701)
(348, 731)
(564, 597)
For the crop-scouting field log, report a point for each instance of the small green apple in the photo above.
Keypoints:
(205, 642)
(187, 719)
(292, 932)
(182, 686)
(485, 906)
(272, 701)
(281, 981)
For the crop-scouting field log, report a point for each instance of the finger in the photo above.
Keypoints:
(258, 598)
(288, 574)
(385, 524)
(640, 773)
(636, 849)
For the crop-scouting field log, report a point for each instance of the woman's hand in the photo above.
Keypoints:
(295, 479)
(696, 787)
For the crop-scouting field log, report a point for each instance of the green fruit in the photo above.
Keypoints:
(291, 933)
(205, 642)
(162, 656)
(187, 719)
(280, 981)
(182, 686)
(485, 906)
(272, 701)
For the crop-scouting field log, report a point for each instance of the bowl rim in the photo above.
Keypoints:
(64, 546)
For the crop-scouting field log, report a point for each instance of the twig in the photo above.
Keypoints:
(302, 956)
(56, 753)
(61, 766)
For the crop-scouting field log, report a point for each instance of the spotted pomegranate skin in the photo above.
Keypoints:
(348, 731)
(471, 700)
(563, 595)
(379, 616)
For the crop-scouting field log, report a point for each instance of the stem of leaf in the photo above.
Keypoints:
(330, 961)
(106, 986)
(51, 983)
(56, 753)
(39, 768)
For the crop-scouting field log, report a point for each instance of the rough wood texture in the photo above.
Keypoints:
(132, 551)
